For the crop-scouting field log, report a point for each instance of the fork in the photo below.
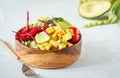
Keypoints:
(25, 69)
(28, 72)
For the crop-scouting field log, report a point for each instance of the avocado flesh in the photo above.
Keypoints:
(93, 9)
(62, 23)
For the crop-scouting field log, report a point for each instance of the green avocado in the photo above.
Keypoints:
(93, 9)
(62, 23)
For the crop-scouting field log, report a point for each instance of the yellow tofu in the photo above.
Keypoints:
(53, 43)
(41, 47)
(60, 31)
(45, 46)
(61, 46)
(54, 36)
(67, 36)
(56, 27)
(70, 31)
(69, 44)
(58, 34)
(50, 30)
(62, 41)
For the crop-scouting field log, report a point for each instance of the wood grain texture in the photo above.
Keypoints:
(48, 59)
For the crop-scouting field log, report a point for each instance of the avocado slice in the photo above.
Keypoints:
(93, 9)
(62, 23)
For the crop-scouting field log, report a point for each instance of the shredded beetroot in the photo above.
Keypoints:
(27, 34)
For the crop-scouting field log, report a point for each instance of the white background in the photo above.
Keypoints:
(100, 45)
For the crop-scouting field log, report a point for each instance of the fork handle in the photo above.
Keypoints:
(9, 49)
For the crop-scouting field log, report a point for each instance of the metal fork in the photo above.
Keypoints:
(25, 69)
(28, 72)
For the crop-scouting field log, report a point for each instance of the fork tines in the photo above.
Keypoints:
(27, 71)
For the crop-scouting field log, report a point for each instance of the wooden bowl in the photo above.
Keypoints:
(48, 59)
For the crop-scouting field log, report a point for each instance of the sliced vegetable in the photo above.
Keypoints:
(76, 36)
(75, 30)
(113, 16)
(27, 34)
(93, 9)
(62, 23)
(42, 37)
(33, 45)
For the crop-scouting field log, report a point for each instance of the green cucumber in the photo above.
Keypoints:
(93, 9)
(33, 45)
(42, 37)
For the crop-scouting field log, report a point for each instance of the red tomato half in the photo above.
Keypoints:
(76, 35)
(75, 38)
(75, 30)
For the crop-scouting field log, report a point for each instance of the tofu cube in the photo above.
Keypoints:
(69, 44)
(60, 31)
(54, 43)
(41, 47)
(50, 30)
(54, 36)
(70, 31)
(67, 36)
(61, 46)
(56, 27)
(45, 46)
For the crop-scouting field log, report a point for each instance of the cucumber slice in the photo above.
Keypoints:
(33, 45)
(93, 9)
(42, 37)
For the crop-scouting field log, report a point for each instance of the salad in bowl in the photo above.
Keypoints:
(48, 43)
(49, 34)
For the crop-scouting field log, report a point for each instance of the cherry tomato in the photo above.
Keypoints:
(75, 30)
(76, 36)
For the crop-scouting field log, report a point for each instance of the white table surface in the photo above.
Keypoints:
(100, 57)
